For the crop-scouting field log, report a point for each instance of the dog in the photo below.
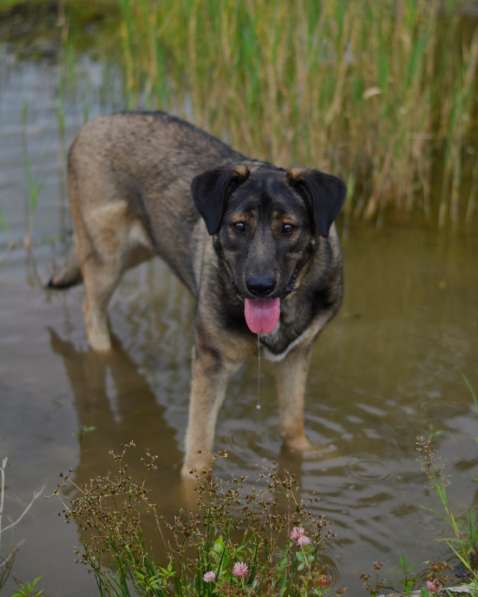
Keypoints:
(254, 243)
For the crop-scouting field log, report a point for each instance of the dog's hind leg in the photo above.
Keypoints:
(100, 283)
(291, 378)
(108, 244)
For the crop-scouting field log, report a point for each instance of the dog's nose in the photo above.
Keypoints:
(260, 285)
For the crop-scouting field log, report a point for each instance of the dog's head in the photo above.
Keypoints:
(266, 222)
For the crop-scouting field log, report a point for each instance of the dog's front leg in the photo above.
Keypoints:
(291, 378)
(208, 387)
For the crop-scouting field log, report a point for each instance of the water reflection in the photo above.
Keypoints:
(115, 404)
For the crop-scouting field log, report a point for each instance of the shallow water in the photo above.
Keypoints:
(389, 368)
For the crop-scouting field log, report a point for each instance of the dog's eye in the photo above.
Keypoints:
(287, 229)
(240, 226)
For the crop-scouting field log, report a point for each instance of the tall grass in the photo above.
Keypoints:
(383, 93)
(32, 185)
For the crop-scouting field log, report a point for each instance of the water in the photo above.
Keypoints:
(389, 368)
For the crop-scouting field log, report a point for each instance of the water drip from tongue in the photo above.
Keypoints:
(262, 315)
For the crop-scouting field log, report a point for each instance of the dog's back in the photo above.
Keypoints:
(134, 170)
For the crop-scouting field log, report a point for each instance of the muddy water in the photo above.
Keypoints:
(390, 367)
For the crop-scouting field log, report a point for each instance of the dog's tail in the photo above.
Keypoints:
(69, 275)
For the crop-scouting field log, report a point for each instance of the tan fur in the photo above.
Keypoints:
(208, 390)
(291, 377)
(108, 243)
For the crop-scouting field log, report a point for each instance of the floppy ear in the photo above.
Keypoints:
(324, 193)
(211, 189)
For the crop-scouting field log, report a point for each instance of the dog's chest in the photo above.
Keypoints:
(292, 331)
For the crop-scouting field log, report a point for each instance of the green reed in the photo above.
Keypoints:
(32, 185)
(383, 93)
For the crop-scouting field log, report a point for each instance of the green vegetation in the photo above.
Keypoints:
(32, 185)
(383, 93)
(237, 541)
(29, 589)
(233, 542)
(462, 541)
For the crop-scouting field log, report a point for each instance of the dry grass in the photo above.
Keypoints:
(383, 93)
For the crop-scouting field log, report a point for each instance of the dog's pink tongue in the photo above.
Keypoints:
(262, 315)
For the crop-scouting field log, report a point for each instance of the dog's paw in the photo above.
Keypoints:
(197, 471)
(299, 444)
(99, 342)
(304, 449)
(188, 473)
